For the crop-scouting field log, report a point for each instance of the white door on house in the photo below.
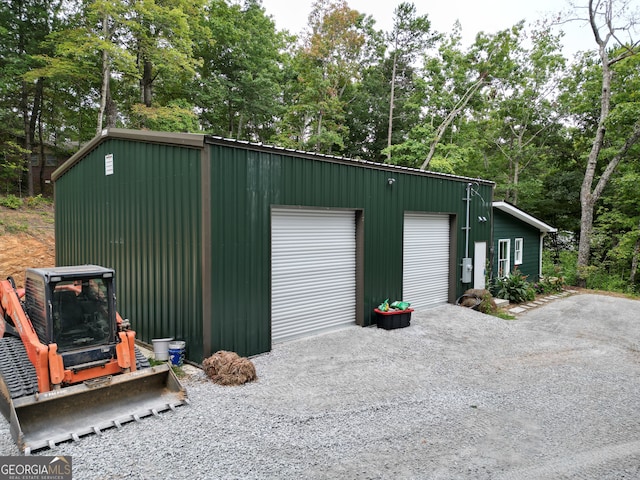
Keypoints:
(480, 265)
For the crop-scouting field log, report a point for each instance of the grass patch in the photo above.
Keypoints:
(16, 227)
(33, 216)
(504, 315)
(47, 218)
(153, 362)
(180, 373)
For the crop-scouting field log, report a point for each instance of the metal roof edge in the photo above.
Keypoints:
(216, 140)
(195, 140)
(524, 216)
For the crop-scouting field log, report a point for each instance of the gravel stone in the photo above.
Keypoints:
(456, 395)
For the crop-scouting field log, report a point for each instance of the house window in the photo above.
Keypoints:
(50, 161)
(517, 252)
(504, 257)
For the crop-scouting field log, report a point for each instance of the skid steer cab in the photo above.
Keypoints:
(69, 365)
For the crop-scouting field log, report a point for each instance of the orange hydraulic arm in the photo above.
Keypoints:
(37, 352)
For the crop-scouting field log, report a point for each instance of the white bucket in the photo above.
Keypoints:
(161, 348)
(176, 352)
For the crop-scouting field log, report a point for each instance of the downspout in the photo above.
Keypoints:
(467, 227)
(208, 312)
(467, 266)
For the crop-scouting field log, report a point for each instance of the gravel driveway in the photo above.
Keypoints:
(552, 394)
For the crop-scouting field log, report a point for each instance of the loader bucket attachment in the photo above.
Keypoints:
(42, 420)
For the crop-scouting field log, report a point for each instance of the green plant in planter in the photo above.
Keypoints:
(515, 288)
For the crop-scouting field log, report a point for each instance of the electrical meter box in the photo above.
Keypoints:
(467, 269)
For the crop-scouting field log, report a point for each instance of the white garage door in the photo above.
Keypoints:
(425, 264)
(313, 272)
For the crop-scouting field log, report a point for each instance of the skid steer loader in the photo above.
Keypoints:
(68, 362)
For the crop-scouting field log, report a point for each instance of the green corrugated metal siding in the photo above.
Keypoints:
(506, 226)
(159, 221)
(144, 221)
(247, 182)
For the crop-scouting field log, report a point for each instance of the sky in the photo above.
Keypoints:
(474, 15)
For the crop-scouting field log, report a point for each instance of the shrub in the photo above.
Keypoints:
(37, 201)
(547, 285)
(11, 201)
(541, 288)
(599, 276)
(565, 269)
(487, 305)
(514, 288)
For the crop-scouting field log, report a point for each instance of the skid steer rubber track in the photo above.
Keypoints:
(141, 360)
(41, 420)
(15, 368)
(17, 379)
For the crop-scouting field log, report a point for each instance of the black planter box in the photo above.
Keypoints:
(393, 318)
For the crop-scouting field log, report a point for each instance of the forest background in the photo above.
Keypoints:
(559, 135)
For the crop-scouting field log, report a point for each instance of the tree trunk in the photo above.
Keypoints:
(36, 115)
(41, 155)
(588, 198)
(230, 117)
(24, 103)
(319, 131)
(36, 109)
(391, 105)
(449, 118)
(239, 134)
(24, 106)
(517, 165)
(106, 74)
(584, 245)
(516, 179)
(146, 83)
(29, 119)
(634, 259)
(112, 111)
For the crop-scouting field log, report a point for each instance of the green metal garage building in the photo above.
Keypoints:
(237, 246)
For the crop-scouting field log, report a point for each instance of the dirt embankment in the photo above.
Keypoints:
(27, 239)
